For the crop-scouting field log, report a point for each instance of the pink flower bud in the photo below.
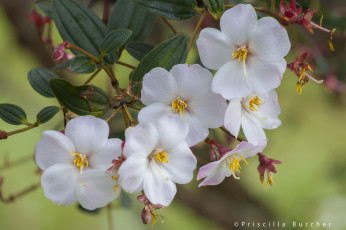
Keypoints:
(59, 52)
(146, 216)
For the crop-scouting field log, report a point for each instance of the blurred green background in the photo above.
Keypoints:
(310, 185)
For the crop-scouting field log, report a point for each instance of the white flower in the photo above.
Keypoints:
(215, 172)
(157, 158)
(253, 113)
(248, 53)
(184, 90)
(75, 164)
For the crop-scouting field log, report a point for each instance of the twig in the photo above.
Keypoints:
(15, 163)
(92, 77)
(169, 25)
(227, 132)
(109, 217)
(125, 64)
(134, 107)
(196, 30)
(113, 114)
(15, 196)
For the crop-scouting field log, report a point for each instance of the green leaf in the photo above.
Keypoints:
(126, 15)
(138, 50)
(12, 114)
(82, 100)
(172, 9)
(165, 55)
(39, 81)
(46, 7)
(82, 64)
(47, 113)
(216, 7)
(79, 25)
(114, 40)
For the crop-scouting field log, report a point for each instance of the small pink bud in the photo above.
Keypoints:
(142, 198)
(59, 52)
(266, 164)
(146, 216)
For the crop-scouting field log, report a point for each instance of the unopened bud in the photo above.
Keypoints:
(142, 198)
(59, 52)
(146, 216)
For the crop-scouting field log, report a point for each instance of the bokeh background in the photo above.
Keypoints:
(310, 185)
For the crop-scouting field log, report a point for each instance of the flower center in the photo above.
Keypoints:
(235, 166)
(179, 106)
(255, 101)
(161, 157)
(80, 160)
(241, 54)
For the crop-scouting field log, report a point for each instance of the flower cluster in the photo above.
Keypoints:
(181, 105)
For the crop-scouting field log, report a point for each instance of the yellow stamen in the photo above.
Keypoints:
(161, 157)
(331, 47)
(309, 67)
(255, 101)
(80, 161)
(302, 74)
(241, 53)
(154, 218)
(116, 186)
(270, 180)
(179, 106)
(235, 166)
(299, 87)
(321, 20)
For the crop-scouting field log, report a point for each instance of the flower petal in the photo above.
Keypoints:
(141, 139)
(192, 81)
(95, 189)
(89, 134)
(197, 132)
(151, 113)
(172, 131)
(213, 172)
(54, 148)
(270, 110)
(252, 129)
(181, 164)
(238, 22)
(58, 183)
(247, 149)
(157, 189)
(264, 76)
(103, 158)
(209, 110)
(230, 81)
(158, 86)
(215, 48)
(233, 117)
(132, 173)
(270, 41)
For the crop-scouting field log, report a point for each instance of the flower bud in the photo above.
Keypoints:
(3, 134)
(59, 52)
(146, 216)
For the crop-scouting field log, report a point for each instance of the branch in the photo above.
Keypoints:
(15, 196)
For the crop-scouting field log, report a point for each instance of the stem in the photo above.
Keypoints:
(134, 107)
(273, 6)
(105, 12)
(23, 129)
(113, 114)
(196, 30)
(129, 116)
(227, 132)
(125, 117)
(169, 25)
(111, 75)
(92, 77)
(109, 217)
(17, 162)
(13, 197)
(125, 64)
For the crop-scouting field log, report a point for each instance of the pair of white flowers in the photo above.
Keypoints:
(182, 105)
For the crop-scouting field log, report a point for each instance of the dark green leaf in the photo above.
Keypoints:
(114, 40)
(79, 25)
(172, 9)
(138, 50)
(165, 55)
(46, 7)
(12, 114)
(82, 64)
(47, 113)
(82, 100)
(126, 15)
(62, 65)
(216, 7)
(39, 81)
